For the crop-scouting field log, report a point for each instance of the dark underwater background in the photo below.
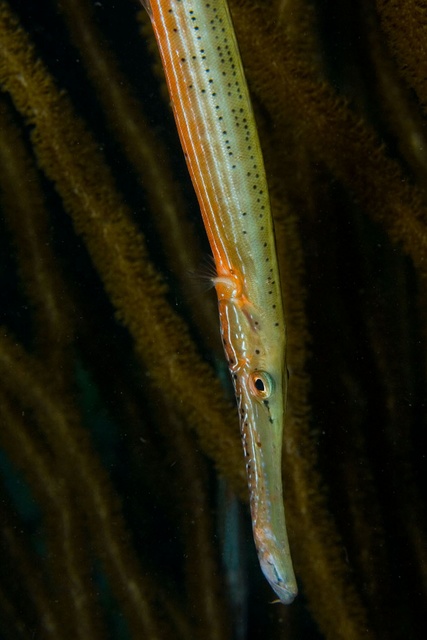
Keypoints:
(123, 501)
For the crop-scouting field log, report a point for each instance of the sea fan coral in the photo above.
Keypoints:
(121, 465)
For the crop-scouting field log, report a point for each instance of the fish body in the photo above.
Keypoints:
(217, 129)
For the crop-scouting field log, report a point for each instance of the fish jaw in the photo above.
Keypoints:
(256, 358)
(262, 430)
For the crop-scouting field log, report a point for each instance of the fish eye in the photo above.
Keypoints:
(261, 384)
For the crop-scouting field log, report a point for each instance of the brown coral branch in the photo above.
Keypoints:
(355, 439)
(149, 158)
(76, 605)
(72, 451)
(25, 213)
(338, 137)
(117, 249)
(405, 24)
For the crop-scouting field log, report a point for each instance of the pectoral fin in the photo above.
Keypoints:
(147, 6)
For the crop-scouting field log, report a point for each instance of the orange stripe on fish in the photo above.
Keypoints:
(217, 129)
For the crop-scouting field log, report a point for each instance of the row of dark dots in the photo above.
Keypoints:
(244, 429)
(247, 139)
(222, 57)
(244, 120)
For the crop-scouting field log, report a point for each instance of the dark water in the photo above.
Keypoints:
(116, 522)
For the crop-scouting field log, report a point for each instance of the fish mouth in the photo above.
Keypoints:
(281, 580)
(261, 429)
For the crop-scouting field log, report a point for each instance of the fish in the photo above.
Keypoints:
(217, 129)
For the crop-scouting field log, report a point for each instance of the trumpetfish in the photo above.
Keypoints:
(216, 126)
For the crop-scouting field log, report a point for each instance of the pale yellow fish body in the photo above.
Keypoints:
(217, 129)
